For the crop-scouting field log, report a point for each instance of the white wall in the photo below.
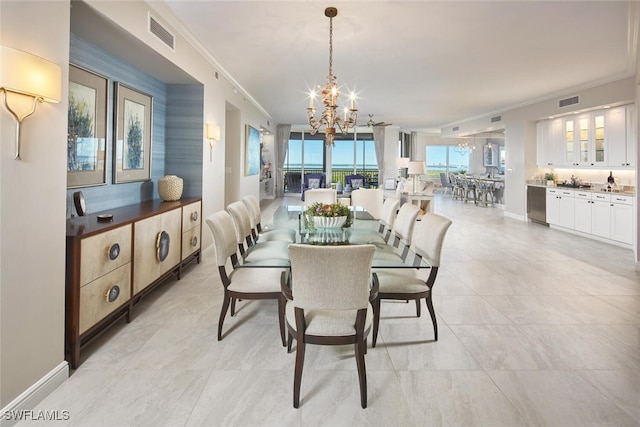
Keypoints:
(32, 191)
(32, 210)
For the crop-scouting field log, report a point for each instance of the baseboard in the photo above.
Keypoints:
(29, 399)
(514, 216)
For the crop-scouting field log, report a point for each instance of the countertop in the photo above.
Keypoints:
(590, 190)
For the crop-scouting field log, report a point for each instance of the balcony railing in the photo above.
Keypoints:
(293, 183)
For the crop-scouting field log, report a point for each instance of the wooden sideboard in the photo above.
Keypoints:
(112, 264)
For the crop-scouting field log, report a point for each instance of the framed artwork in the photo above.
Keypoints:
(489, 157)
(86, 128)
(252, 151)
(390, 183)
(133, 116)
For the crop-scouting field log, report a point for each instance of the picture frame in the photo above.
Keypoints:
(133, 118)
(86, 128)
(390, 183)
(251, 151)
(489, 156)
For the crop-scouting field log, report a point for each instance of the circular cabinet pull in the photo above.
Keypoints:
(114, 251)
(194, 216)
(113, 293)
(194, 241)
(162, 246)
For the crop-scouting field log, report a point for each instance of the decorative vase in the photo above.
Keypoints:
(170, 188)
(329, 222)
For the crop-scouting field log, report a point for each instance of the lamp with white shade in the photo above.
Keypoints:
(27, 75)
(416, 169)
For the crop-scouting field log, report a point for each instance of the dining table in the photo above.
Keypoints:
(363, 224)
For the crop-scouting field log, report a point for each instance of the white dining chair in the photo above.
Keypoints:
(416, 284)
(265, 234)
(327, 196)
(329, 296)
(369, 198)
(241, 283)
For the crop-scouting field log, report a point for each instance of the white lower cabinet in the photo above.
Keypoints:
(605, 215)
(601, 216)
(582, 211)
(622, 219)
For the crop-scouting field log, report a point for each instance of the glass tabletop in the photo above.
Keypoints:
(363, 230)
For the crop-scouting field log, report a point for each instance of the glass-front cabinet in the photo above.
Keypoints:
(584, 140)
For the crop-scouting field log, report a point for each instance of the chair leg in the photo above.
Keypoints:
(362, 373)
(223, 313)
(376, 321)
(289, 342)
(233, 307)
(297, 376)
(418, 309)
(433, 316)
(281, 303)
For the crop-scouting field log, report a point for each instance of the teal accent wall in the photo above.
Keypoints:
(177, 134)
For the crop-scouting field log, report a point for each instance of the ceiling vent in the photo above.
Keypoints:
(456, 129)
(162, 33)
(496, 119)
(569, 101)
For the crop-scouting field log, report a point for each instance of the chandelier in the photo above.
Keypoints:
(463, 146)
(330, 118)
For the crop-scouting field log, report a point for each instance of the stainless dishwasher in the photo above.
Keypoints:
(537, 204)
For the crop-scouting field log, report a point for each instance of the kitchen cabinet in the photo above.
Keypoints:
(548, 147)
(560, 207)
(553, 206)
(584, 138)
(601, 215)
(602, 138)
(605, 215)
(621, 137)
(582, 211)
(622, 219)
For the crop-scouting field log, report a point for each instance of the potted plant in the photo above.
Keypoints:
(550, 178)
(320, 215)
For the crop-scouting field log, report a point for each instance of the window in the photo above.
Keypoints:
(351, 153)
(445, 158)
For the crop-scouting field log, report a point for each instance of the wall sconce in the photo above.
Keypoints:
(213, 135)
(416, 169)
(28, 75)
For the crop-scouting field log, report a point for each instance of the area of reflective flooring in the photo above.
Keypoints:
(536, 328)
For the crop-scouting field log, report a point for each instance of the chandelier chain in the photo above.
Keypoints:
(330, 46)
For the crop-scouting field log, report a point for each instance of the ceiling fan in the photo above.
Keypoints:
(371, 123)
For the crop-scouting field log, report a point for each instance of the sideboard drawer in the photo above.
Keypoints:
(94, 298)
(104, 252)
(190, 242)
(191, 216)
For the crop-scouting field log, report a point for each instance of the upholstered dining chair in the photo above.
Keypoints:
(241, 283)
(401, 232)
(387, 218)
(260, 251)
(416, 284)
(369, 198)
(328, 297)
(284, 234)
(325, 196)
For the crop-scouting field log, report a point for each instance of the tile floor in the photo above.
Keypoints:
(537, 328)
